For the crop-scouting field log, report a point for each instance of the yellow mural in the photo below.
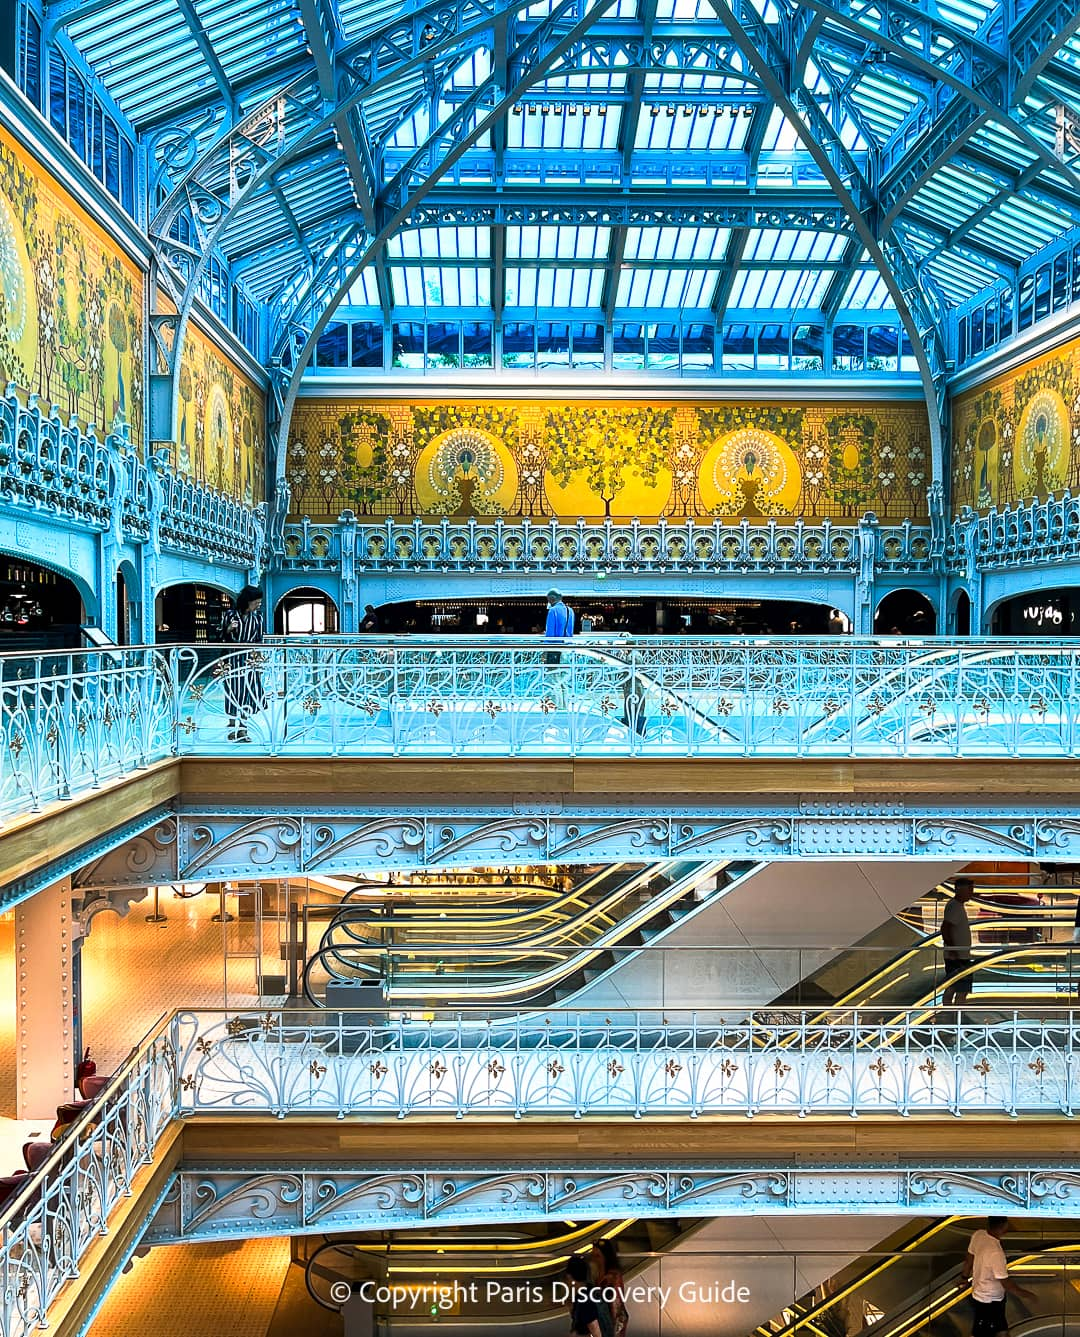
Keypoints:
(621, 460)
(70, 301)
(221, 420)
(1017, 438)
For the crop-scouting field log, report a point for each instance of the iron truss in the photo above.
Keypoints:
(227, 1203)
(930, 144)
(225, 844)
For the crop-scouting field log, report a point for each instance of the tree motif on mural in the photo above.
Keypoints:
(1018, 438)
(622, 460)
(606, 449)
(362, 449)
(851, 459)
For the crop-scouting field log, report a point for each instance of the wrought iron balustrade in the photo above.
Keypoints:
(55, 467)
(642, 1064)
(1026, 534)
(195, 518)
(660, 696)
(65, 1206)
(526, 545)
(570, 1064)
(70, 720)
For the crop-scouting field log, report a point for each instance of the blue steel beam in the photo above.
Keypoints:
(222, 1202)
(823, 142)
(219, 844)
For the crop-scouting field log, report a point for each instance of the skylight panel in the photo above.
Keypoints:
(789, 289)
(564, 287)
(365, 289)
(660, 288)
(549, 242)
(675, 243)
(792, 244)
(446, 243)
(572, 126)
(867, 291)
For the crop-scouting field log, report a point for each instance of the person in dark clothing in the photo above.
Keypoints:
(370, 620)
(244, 694)
(584, 1317)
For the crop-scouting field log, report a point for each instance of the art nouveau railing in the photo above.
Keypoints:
(643, 1064)
(524, 545)
(1038, 531)
(575, 1065)
(52, 466)
(48, 1227)
(70, 721)
(467, 696)
(197, 519)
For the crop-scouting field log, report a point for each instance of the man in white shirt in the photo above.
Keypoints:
(956, 937)
(985, 1267)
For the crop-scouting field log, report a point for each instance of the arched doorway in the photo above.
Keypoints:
(1039, 613)
(39, 608)
(186, 614)
(962, 615)
(905, 613)
(306, 611)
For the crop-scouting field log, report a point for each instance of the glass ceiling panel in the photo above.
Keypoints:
(675, 243)
(715, 129)
(576, 288)
(431, 286)
(563, 127)
(548, 243)
(784, 247)
(664, 288)
(867, 291)
(793, 289)
(432, 243)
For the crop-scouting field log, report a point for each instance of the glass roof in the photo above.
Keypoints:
(642, 172)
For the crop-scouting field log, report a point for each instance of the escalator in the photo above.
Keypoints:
(1023, 957)
(913, 1285)
(518, 955)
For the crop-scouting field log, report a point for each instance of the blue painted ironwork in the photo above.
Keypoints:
(71, 720)
(675, 696)
(219, 843)
(1017, 537)
(526, 545)
(267, 1200)
(68, 722)
(564, 1064)
(641, 1064)
(52, 467)
(48, 1227)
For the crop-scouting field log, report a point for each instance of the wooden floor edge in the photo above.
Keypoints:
(100, 1264)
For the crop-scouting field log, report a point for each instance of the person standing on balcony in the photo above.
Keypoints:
(370, 621)
(244, 694)
(558, 627)
(560, 618)
(956, 939)
(985, 1267)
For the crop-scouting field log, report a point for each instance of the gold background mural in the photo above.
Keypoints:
(221, 419)
(622, 460)
(222, 422)
(1017, 437)
(70, 301)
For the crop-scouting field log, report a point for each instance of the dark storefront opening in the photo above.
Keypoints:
(39, 609)
(187, 613)
(1043, 613)
(644, 616)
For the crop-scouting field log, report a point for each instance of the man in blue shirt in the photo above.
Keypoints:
(560, 617)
